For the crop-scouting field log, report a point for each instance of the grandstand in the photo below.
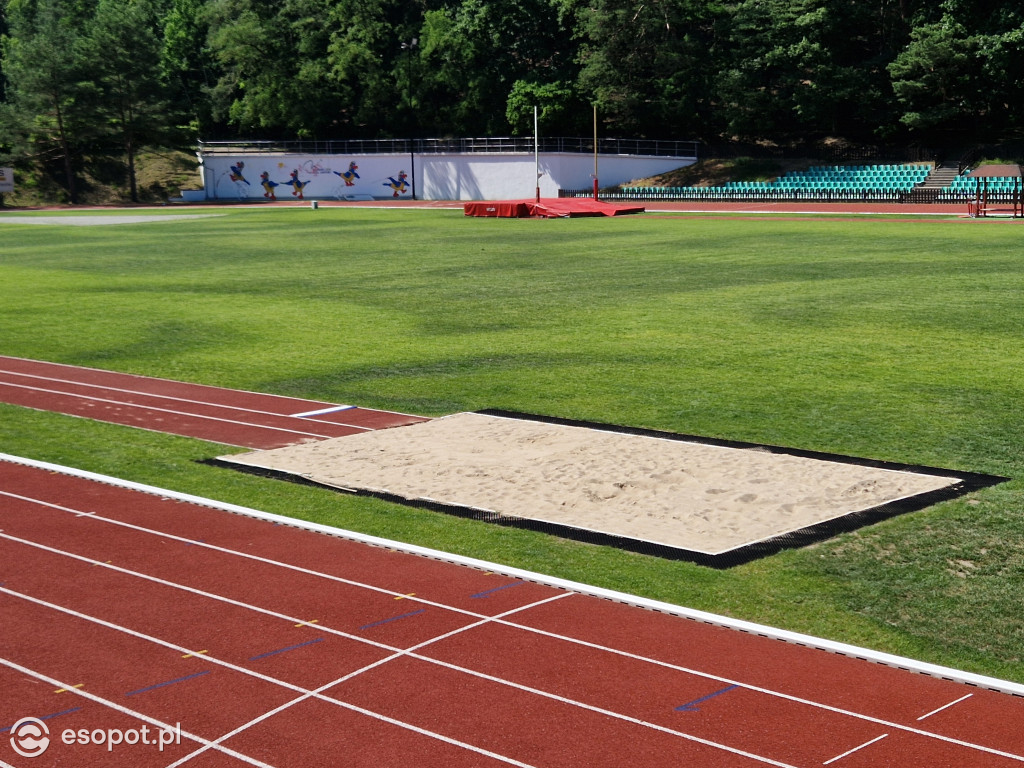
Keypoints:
(893, 183)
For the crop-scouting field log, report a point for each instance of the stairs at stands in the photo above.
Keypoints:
(941, 176)
(938, 179)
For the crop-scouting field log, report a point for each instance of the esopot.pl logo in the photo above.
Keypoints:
(30, 737)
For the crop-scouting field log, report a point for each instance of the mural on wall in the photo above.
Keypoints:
(432, 176)
(236, 172)
(297, 184)
(349, 176)
(313, 177)
(400, 186)
(268, 186)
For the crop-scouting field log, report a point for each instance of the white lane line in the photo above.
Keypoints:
(579, 642)
(703, 617)
(252, 673)
(305, 415)
(855, 749)
(371, 666)
(129, 712)
(945, 706)
(410, 652)
(244, 555)
(322, 411)
(162, 410)
(135, 376)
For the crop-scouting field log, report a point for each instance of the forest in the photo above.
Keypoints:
(101, 79)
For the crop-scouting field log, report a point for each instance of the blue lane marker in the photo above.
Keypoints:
(490, 592)
(393, 618)
(169, 682)
(193, 543)
(46, 717)
(285, 650)
(691, 706)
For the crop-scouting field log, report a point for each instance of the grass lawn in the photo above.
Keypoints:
(875, 337)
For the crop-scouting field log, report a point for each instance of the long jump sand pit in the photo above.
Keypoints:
(672, 495)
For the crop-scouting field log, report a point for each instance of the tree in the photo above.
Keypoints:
(275, 70)
(648, 66)
(807, 68)
(48, 115)
(122, 42)
(936, 78)
(184, 65)
(480, 59)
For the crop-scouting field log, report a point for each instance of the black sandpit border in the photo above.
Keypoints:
(969, 482)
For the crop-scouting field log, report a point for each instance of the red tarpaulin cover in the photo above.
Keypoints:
(547, 208)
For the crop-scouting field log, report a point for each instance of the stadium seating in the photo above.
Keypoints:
(833, 182)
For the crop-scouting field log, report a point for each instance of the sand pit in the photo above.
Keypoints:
(691, 496)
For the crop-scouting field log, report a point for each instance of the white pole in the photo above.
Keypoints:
(595, 151)
(536, 152)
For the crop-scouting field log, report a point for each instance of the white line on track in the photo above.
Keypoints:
(496, 619)
(126, 711)
(103, 371)
(944, 706)
(849, 752)
(306, 693)
(189, 400)
(410, 653)
(163, 410)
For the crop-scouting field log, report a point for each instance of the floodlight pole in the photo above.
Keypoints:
(595, 151)
(536, 152)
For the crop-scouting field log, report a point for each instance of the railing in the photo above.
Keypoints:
(509, 144)
(720, 194)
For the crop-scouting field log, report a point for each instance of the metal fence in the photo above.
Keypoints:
(493, 144)
(719, 194)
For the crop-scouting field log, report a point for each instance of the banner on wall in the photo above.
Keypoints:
(294, 177)
(6, 180)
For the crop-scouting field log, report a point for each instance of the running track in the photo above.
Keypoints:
(246, 419)
(274, 644)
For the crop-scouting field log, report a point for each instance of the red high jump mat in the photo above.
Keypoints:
(547, 208)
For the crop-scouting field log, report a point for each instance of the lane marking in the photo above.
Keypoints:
(403, 597)
(945, 706)
(165, 410)
(141, 377)
(194, 654)
(191, 401)
(267, 678)
(244, 555)
(691, 706)
(499, 618)
(393, 618)
(286, 649)
(70, 687)
(166, 683)
(855, 749)
(322, 411)
(133, 714)
(308, 623)
(565, 638)
(489, 592)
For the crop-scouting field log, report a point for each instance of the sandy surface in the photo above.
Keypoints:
(698, 497)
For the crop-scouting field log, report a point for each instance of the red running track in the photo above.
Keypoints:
(233, 417)
(266, 643)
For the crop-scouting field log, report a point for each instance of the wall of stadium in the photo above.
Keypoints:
(428, 176)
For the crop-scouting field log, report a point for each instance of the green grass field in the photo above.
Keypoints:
(895, 339)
